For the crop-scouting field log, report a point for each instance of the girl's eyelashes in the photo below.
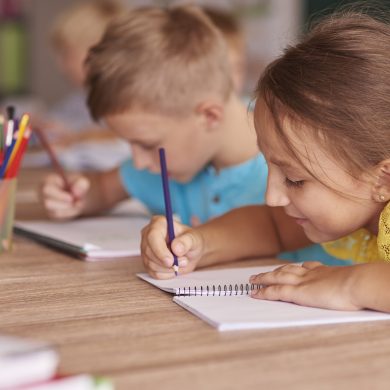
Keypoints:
(295, 184)
(149, 147)
(144, 146)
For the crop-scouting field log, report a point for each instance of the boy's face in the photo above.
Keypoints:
(329, 203)
(237, 65)
(188, 144)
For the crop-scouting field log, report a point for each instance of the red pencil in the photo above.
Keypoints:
(56, 164)
(13, 170)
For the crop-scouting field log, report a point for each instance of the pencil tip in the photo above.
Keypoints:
(10, 112)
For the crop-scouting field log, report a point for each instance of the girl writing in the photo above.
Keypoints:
(322, 120)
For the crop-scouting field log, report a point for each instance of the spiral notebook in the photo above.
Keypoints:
(221, 298)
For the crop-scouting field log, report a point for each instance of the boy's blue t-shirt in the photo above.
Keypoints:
(211, 193)
(207, 195)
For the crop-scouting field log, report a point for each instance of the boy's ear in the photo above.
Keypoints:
(381, 189)
(211, 112)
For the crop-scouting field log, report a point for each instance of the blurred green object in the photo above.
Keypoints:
(13, 57)
(103, 384)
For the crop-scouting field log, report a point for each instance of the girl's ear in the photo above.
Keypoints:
(211, 113)
(381, 189)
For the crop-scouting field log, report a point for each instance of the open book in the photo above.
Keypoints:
(88, 238)
(221, 298)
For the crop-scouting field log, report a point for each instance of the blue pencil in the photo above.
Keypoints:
(9, 150)
(168, 206)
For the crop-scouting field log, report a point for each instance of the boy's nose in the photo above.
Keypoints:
(141, 159)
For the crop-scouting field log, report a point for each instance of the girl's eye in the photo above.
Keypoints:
(291, 183)
(148, 147)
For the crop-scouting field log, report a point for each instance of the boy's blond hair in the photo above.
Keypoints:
(230, 27)
(161, 59)
(83, 25)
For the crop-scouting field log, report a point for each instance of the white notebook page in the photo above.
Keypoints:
(198, 279)
(244, 312)
(237, 312)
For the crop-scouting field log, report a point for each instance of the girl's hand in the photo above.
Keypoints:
(311, 284)
(188, 246)
(58, 202)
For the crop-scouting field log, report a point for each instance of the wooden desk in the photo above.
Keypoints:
(105, 321)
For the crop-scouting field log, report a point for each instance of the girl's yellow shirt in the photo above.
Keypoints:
(362, 246)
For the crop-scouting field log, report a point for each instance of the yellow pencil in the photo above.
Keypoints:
(22, 128)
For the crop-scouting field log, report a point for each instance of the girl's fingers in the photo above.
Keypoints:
(158, 267)
(152, 261)
(312, 264)
(153, 244)
(278, 276)
(187, 242)
(275, 293)
(293, 268)
(157, 255)
(162, 275)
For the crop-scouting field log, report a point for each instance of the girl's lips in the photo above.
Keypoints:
(300, 221)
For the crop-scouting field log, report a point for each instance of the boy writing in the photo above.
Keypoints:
(161, 78)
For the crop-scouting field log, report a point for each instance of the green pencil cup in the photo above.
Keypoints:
(7, 213)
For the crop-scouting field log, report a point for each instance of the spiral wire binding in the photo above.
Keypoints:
(226, 290)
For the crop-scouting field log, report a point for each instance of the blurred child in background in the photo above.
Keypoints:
(68, 123)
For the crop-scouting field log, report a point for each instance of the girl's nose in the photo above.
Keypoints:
(276, 194)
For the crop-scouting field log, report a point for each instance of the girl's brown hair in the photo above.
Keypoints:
(336, 82)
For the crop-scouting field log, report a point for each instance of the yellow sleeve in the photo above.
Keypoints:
(360, 246)
(384, 234)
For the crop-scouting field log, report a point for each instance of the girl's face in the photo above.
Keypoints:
(329, 203)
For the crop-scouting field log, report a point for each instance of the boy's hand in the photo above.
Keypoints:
(188, 246)
(59, 203)
(311, 284)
